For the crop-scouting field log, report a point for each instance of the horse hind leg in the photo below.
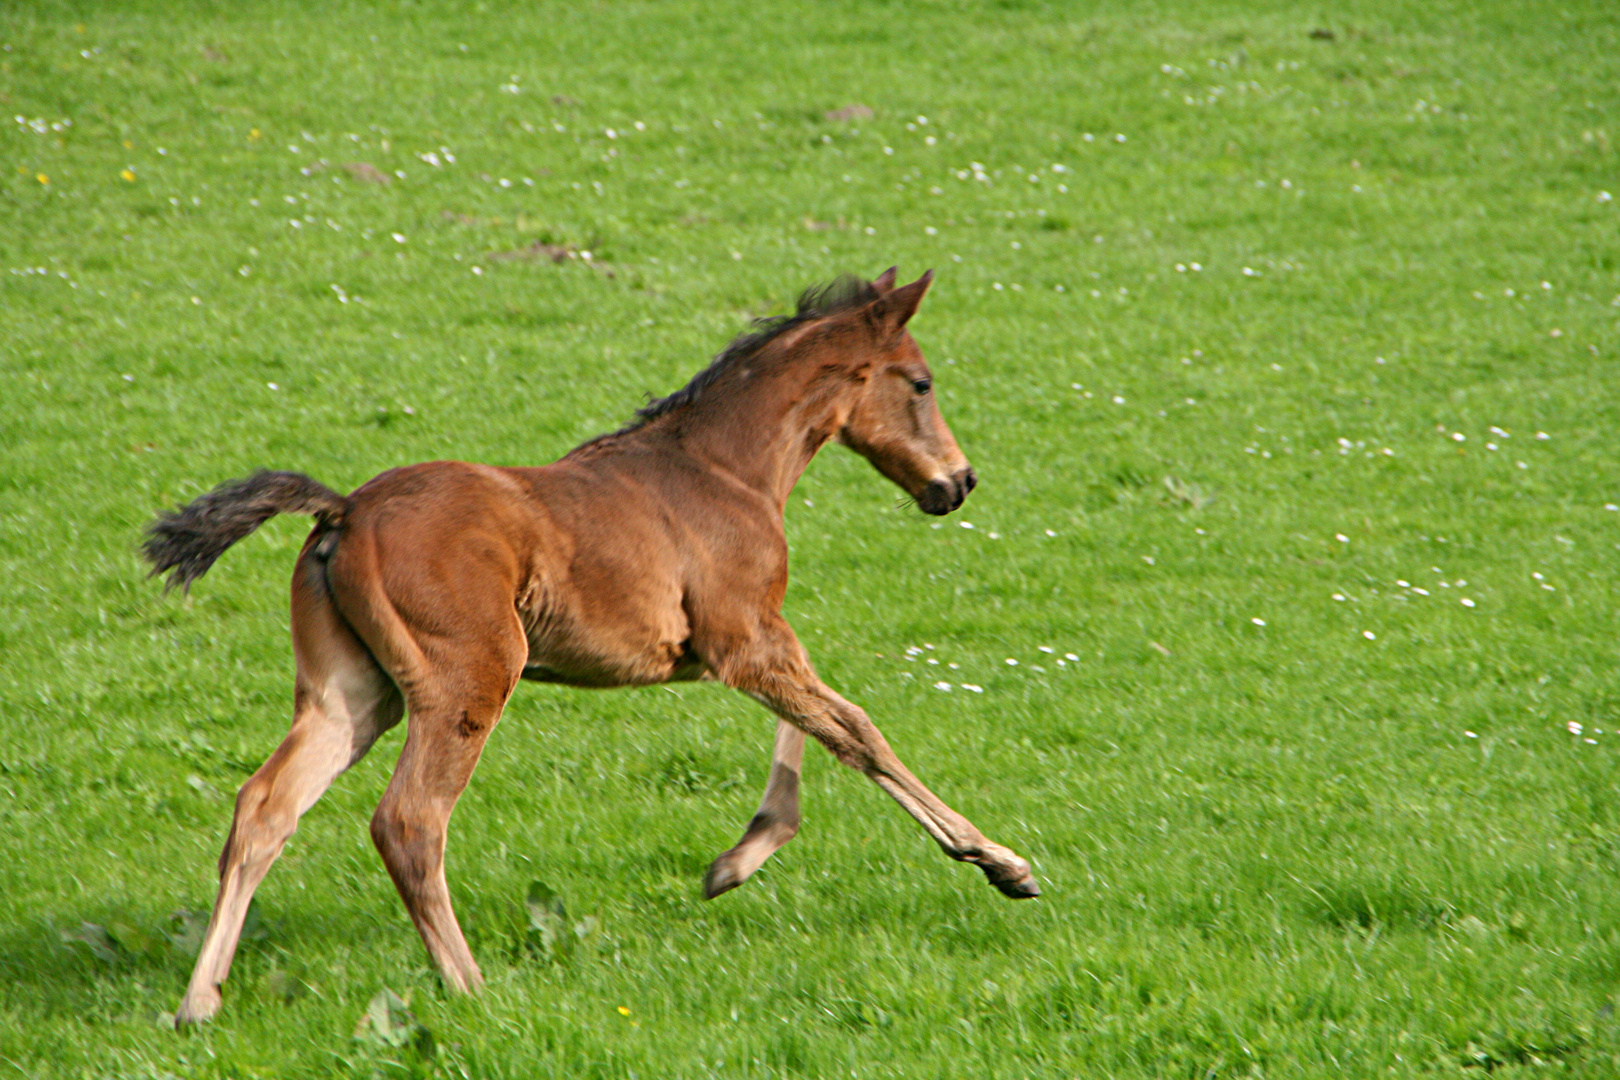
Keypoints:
(412, 824)
(773, 825)
(456, 698)
(343, 702)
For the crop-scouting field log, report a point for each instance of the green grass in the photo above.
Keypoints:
(1358, 840)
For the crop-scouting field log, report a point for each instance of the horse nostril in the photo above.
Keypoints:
(937, 498)
(970, 480)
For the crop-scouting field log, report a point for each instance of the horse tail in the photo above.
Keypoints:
(185, 542)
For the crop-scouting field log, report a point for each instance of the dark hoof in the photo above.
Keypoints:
(1018, 888)
(721, 878)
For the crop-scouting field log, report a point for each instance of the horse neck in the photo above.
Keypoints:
(765, 430)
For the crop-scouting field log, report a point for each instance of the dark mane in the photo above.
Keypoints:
(841, 294)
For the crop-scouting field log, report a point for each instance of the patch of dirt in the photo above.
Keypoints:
(367, 172)
(557, 253)
(850, 112)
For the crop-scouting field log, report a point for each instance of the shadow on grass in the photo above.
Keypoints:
(84, 962)
(1364, 906)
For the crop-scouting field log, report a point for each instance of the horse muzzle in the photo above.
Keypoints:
(942, 496)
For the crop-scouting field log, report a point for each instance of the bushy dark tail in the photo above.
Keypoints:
(185, 542)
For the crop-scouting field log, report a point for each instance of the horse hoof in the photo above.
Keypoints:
(1015, 880)
(198, 1007)
(1022, 889)
(721, 878)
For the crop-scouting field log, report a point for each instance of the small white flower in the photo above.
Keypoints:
(1258, 621)
(272, 386)
(1369, 635)
(399, 238)
(1071, 656)
(1118, 400)
(1458, 436)
(1338, 596)
(1341, 538)
(1470, 734)
(1542, 436)
(1574, 727)
(1011, 662)
(975, 689)
(1420, 592)
(942, 686)
(965, 524)
(1467, 602)
(1045, 648)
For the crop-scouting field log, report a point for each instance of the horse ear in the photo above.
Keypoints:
(884, 282)
(896, 308)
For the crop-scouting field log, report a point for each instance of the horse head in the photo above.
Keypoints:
(894, 421)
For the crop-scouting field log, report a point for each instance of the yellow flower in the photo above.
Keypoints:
(254, 134)
(128, 145)
(42, 178)
(624, 1010)
(128, 174)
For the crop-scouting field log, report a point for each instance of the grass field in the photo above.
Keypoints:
(1284, 342)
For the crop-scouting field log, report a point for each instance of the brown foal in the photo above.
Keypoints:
(653, 554)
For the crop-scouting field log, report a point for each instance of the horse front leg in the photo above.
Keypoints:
(773, 824)
(774, 670)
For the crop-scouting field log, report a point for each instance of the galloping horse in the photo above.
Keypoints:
(653, 554)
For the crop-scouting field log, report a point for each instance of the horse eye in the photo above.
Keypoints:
(922, 386)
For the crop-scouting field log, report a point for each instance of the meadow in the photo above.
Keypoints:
(1280, 634)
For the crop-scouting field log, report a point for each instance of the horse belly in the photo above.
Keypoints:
(577, 650)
